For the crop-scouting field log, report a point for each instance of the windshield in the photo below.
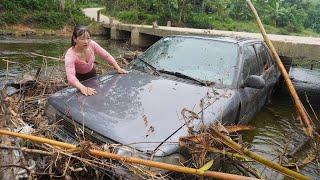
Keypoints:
(203, 59)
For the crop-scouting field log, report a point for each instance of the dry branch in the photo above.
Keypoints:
(48, 57)
(4, 107)
(35, 151)
(195, 143)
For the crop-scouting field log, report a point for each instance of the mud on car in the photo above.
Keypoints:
(232, 78)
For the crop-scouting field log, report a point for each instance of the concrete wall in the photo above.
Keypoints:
(117, 34)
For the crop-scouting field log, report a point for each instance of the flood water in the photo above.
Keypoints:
(278, 132)
(276, 128)
(19, 49)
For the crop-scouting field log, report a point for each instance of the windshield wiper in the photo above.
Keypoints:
(154, 69)
(178, 74)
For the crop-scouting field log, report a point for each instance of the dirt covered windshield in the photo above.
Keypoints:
(203, 59)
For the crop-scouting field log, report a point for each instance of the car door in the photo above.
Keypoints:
(251, 99)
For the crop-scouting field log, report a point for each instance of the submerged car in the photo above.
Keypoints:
(221, 79)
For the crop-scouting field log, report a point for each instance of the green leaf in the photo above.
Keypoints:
(207, 166)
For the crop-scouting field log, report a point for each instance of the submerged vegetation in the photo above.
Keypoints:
(280, 16)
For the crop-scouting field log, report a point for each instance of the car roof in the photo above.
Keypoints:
(236, 40)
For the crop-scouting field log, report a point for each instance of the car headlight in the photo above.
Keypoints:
(175, 159)
(130, 152)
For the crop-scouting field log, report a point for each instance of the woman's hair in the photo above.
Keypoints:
(78, 31)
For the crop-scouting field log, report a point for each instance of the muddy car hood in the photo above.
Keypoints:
(137, 107)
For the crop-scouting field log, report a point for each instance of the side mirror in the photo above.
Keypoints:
(255, 81)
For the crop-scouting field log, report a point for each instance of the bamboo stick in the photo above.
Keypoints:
(8, 61)
(298, 104)
(49, 57)
(134, 160)
(230, 143)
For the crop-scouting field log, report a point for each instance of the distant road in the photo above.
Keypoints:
(92, 13)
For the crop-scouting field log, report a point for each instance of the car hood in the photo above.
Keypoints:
(136, 109)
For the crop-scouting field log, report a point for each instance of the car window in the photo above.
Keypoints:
(263, 58)
(250, 64)
(270, 59)
(204, 59)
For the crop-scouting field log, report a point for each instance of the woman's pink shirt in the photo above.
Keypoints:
(74, 64)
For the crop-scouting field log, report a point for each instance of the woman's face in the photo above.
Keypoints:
(83, 40)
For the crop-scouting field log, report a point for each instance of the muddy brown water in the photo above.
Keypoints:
(275, 126)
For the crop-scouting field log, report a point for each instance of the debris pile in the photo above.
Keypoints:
(23, 112)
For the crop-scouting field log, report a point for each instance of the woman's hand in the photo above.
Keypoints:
(122, 71)
(87, 91)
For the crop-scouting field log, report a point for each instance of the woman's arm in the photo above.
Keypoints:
(71, 76)
(118, 68)
(106, 56)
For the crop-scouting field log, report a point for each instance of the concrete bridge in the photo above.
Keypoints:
(303, 48)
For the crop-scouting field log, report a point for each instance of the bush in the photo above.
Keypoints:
(316, 27)
(41, 13)
(50, 19)
(136, 17)
(75, 15)
(33, 4)
(147, 18)
(2, 23)
(200, 20)
(7, 5)
(10, 17)
(127, 16)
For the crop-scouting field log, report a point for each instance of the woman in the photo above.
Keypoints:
(79, 60)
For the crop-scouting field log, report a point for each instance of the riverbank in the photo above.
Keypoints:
(22, 30)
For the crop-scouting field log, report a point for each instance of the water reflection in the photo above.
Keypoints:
(18, 49)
